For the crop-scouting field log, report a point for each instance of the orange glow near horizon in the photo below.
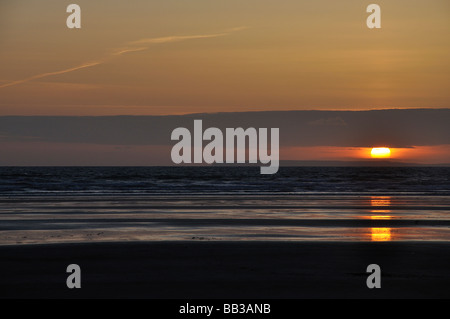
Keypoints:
(435, 154)
(380, 152)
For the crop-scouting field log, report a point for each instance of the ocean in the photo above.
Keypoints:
(122, 204)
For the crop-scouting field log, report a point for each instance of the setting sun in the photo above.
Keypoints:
(380, 152)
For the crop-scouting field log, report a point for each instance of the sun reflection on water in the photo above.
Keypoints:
(380, 233)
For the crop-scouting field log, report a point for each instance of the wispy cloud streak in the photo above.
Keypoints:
(130, 47)
(176, 38)
(43, 75)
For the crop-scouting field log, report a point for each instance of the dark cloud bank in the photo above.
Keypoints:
(394, 128)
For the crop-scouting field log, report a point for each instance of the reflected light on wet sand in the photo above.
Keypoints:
(380, 201)
(381, 234)
(384, 233)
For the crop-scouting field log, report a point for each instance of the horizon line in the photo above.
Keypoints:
(229, 112)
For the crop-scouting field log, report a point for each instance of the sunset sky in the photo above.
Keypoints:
(172, 57)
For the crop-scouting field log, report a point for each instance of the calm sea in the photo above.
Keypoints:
(78, 204)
